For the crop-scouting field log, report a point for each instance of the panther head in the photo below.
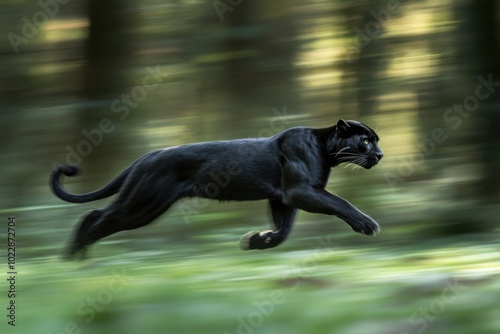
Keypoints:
(354, 142)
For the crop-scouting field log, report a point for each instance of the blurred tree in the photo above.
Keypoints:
(249, 64)
(477, 56)
(108, 53)
(366, 57)
(108, 48)
(271, 73)
(487, 43)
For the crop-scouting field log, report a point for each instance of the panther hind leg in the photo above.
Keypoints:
(78, 244)
(283, 217)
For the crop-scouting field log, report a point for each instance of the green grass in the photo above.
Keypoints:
(350, 290)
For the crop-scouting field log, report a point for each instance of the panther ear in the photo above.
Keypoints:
(343, 128)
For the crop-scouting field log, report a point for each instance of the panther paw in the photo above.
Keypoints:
(74, 253)
(367, 227)
(256, 240)
(245, 239)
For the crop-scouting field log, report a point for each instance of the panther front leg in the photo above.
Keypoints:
(283, 217)
(321, 201)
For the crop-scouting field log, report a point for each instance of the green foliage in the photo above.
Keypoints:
(446, 289)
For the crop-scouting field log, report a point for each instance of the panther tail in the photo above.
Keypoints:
(108, 190)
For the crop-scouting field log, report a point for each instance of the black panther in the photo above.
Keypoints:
(290, 170)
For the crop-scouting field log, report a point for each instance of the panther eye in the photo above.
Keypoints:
(366, 141)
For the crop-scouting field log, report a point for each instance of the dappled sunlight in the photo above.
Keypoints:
(60, 31)
(413, 64)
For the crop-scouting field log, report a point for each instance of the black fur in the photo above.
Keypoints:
(290, 170)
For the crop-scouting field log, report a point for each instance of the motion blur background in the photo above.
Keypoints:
(100, 83)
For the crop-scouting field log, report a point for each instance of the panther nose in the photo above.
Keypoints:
(380, 155)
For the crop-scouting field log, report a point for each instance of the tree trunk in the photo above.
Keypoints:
(108, 51)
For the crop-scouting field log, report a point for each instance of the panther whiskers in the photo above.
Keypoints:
(345, 148)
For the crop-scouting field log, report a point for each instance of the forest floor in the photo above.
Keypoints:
(449, 287)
